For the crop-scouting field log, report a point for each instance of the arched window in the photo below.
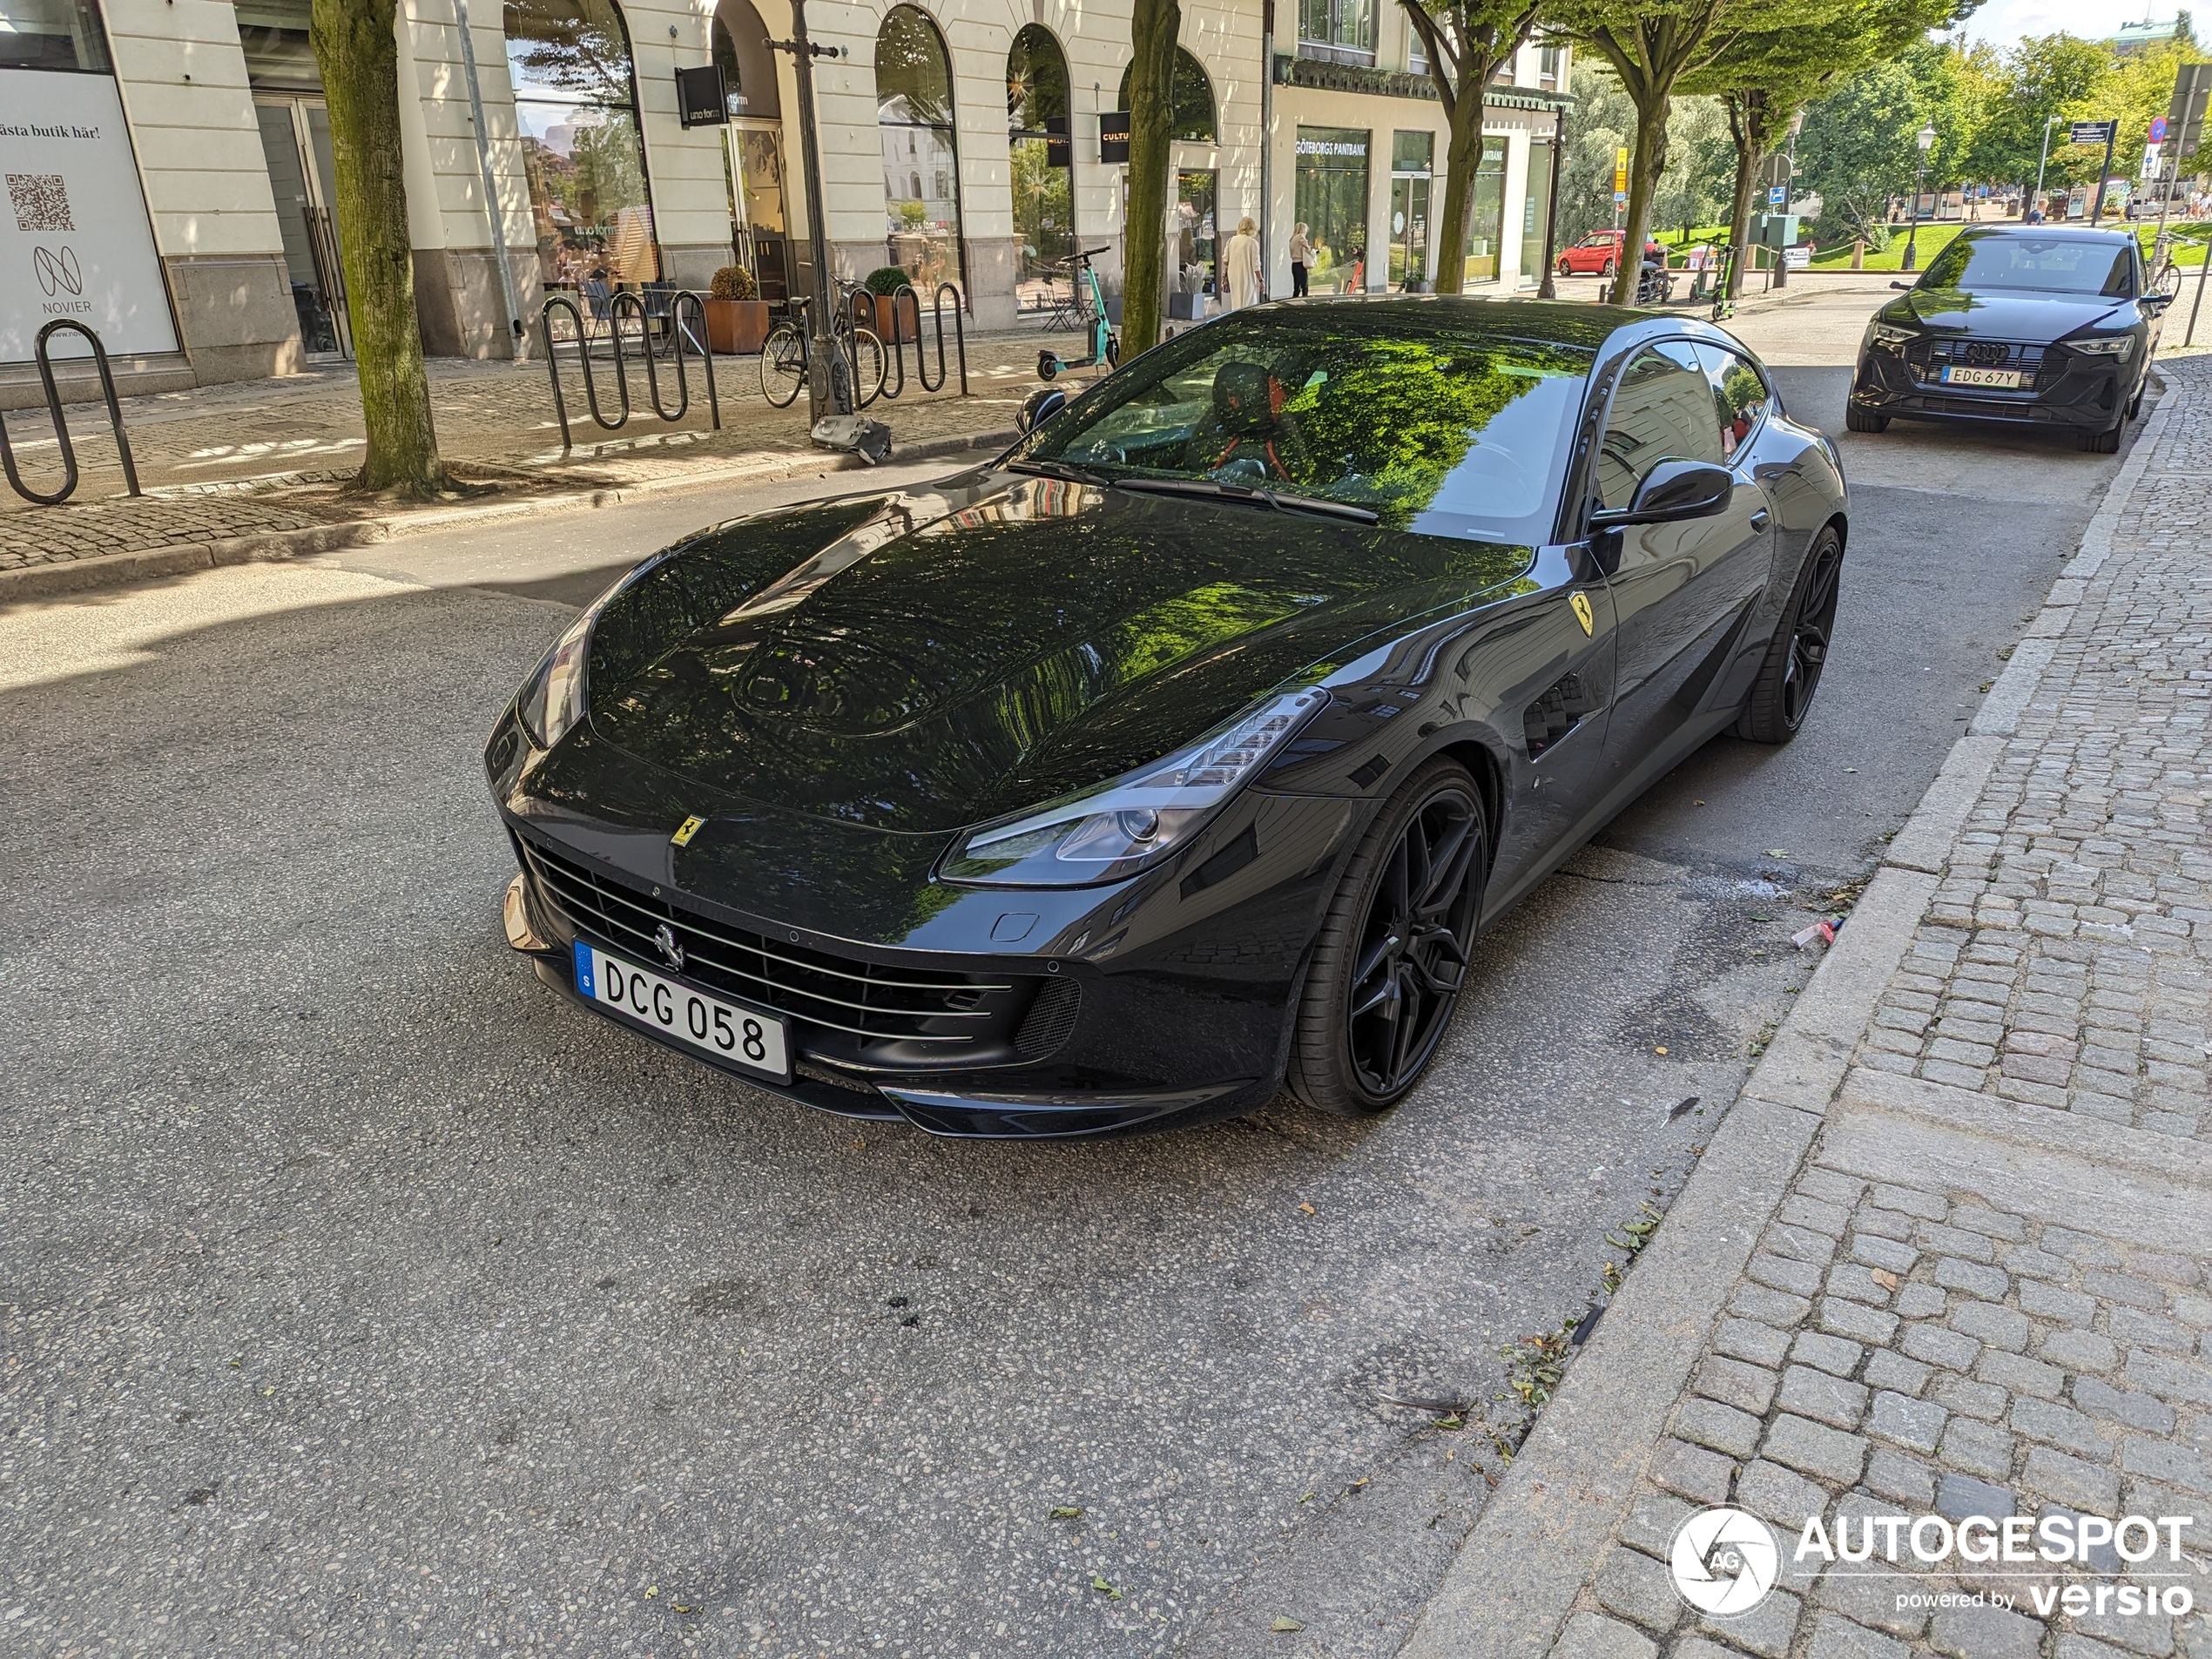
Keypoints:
(1044, 183)
(914, 96)
(1191, 102)
(575, 103)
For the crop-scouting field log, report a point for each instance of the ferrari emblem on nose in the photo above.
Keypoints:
(692, 826)
(1581, 610)
(665, 941)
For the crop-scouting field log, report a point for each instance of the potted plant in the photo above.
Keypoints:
(737, 317)
(882, 283)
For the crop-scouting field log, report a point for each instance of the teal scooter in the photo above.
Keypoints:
(1105, 344)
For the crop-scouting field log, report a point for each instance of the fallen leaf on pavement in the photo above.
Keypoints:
(1884, 1278)
(1067, 1512)
(1308, 1209)
(1282, 1626)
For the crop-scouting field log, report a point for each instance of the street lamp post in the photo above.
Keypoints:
(1926, 141)
(2042, 161)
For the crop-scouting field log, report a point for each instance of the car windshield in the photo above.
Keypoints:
(1411, 411)
(2035, 264)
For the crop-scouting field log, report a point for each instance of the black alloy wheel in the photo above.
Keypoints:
(1394, 948)
(1782, 693)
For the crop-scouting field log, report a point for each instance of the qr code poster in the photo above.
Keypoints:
(75, 241)
(41, 201)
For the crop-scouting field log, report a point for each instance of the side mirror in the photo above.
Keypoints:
(1038, 407)
(1902, 288)
(2155, 303)
(1672, 490)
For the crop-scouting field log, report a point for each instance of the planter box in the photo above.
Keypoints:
(736, 326)
(1189, 307)
(905, 309)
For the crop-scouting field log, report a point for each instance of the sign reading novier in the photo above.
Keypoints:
(74, 239)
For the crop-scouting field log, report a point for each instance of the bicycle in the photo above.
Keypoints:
(785, 353)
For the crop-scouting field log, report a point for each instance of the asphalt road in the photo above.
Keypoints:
(360, 1294)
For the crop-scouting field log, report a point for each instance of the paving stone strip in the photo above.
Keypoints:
(1983, 1285)
(267, 459)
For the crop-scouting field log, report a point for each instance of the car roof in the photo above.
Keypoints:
(1567, 322)
(2050, 232)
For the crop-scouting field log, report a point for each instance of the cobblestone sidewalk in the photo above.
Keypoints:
(1989, 1289)
(267, 457)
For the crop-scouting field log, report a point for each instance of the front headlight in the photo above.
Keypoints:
(557, 695)
(2119, 345)
(1117, 828)
(1890, 334)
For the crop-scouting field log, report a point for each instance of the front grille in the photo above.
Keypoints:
(849, 1007)
(1928, 358)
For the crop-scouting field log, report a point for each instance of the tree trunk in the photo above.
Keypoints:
(1462, 163)
(1744, 128)
(359, 56)
(1152, 93)
(1645, 166)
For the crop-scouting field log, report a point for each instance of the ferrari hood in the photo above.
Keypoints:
(1999, 315)
(935, 659)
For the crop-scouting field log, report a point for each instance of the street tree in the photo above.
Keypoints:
(1766, 77)
(357, 53)
(2043, 83)
(1466, 43)
(1858, 150)
(1650, 45)
(1151, 113)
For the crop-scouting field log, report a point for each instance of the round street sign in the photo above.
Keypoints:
(2158, 130)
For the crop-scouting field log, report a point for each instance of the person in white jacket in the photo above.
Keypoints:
(1240, 264)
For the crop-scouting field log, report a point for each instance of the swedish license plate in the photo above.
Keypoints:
(736, 1035)
(1957, 375)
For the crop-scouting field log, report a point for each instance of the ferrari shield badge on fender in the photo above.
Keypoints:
(1582, 614)
(692, 826)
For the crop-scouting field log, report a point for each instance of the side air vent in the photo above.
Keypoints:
(1050, 1018)
(1555, 714)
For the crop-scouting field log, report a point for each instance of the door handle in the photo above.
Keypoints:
(1760, 518)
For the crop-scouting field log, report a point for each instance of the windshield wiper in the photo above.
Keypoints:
(1276, 499)
(1062, 470)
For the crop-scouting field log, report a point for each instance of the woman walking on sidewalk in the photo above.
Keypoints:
(1301, 256)
(1241, 265)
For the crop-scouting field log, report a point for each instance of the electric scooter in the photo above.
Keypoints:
(1105, 344)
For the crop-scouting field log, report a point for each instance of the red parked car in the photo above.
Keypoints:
(1599, 254)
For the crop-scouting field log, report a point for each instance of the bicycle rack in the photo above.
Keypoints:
(61, 423)
(681, 333)
(898, 340)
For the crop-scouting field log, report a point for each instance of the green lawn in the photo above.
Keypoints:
(2189, 246)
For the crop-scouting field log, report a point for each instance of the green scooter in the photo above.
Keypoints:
(1105, 344)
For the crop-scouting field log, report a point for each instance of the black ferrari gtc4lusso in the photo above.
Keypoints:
(1184, 750)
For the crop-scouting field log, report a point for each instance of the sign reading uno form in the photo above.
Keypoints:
(74, 239)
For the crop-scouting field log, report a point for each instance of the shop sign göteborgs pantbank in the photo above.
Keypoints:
(74, 241)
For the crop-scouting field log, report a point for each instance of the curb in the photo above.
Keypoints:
(1538, 1540)
(118, 570)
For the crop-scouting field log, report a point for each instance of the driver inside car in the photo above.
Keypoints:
(1249, 439)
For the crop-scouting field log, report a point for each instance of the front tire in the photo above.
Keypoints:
(1048, 365)
(783, 365)
(1607, 269)
(1781, 695)
(1859, 419)
(2097, 442)
(1394, 948)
